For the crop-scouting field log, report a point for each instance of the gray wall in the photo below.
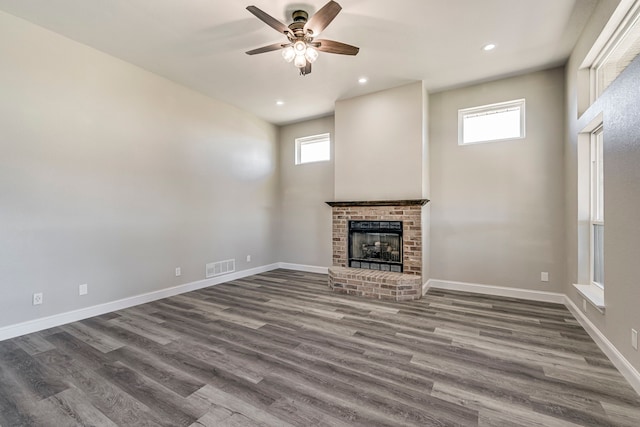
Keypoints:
(113, 176)
(620, 109)
(382, 150)
(379, 143)
(497, 208)
(305, 219)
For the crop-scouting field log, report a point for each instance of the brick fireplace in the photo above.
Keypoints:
(375, 280)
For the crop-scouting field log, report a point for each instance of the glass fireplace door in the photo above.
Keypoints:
(375, 245)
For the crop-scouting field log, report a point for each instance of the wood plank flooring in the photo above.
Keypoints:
(280, 349)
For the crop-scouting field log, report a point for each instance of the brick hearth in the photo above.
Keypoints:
(375, 284)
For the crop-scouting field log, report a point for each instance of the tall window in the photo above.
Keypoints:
(493, 122)
(597, 208)
(316, 148)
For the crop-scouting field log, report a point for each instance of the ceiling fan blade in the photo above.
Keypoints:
(306, 69)
(263, 49)
(323, 17)
(269, 20)
(331, 46)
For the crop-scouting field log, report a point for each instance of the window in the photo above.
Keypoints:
(597, 208)
(493, 122)
(316, 148)
(621, 49)
(591, 214)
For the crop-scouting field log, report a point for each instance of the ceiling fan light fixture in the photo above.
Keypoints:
(288, 54)
(300, 47)
(300, 61)
(311, 54)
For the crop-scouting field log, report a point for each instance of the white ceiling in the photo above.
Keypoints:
(201, 44)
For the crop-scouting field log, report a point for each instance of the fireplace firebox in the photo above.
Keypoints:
(375, 245)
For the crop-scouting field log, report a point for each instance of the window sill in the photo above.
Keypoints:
(593, 294)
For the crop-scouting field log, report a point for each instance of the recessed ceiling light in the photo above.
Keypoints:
(362, 80)
(488, 47)
(279, 103)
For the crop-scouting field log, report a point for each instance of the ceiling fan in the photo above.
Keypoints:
(301, 47)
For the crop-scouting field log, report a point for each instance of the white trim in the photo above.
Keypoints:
(302, 267)
(485, 110)
(425, 287)
(477, 288)
(596, 211)
(615, 21)
(618, 35)
(592, 293)
(36, 325)
(313, 139)
(619, 361)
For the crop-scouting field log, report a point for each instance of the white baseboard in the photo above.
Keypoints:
(619, 361)
(305, 268)
(35, 325)
(425, 287)
(477, 288)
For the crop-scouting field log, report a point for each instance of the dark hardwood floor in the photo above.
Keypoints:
(280, 349)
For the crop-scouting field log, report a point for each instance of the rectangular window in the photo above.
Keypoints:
(621, 49)
(316, 148)
(495, 122)
(597, 208)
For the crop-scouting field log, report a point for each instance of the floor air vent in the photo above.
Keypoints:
(220, 267)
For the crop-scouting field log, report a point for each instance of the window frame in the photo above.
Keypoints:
(596, 197)
(484, 109)
(631, 19)
(312, 139)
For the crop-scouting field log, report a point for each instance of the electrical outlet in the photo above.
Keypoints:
(634, 339)
(584, 304)
(544, 276)
(83, 289)
(37, 298)
(178, 271)
(248, 258)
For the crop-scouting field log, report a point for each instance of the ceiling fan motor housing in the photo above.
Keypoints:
(297, 27)
(300, 16)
